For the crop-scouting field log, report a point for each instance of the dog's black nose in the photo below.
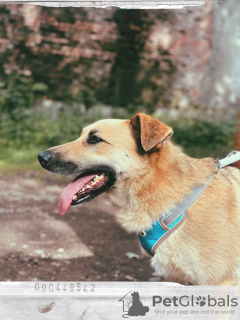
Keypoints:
(44, 158)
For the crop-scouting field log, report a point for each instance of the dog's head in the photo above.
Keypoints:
(106, 154)
(135, 294)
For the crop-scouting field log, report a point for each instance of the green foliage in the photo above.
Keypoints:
(19, 92)
(202, 138)
(13, 159)
(34, 127)
(39, 87)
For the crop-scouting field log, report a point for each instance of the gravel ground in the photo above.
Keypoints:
(37, 244)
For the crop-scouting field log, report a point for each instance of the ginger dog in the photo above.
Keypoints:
(145, 175)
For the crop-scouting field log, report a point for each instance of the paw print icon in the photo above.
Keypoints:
(201, 301)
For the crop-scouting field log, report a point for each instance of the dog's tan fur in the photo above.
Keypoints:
(153, 175)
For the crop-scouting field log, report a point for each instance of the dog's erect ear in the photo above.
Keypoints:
(149, 130)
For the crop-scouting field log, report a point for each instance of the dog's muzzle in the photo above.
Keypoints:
(54, 162)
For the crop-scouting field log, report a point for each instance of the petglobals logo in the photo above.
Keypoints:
(132, 305)
(193, 301)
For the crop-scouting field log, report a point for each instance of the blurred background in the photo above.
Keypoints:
(62, 69)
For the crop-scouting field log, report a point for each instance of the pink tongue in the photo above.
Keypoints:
(65, 198)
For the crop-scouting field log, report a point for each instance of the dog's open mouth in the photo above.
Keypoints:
(85, 187)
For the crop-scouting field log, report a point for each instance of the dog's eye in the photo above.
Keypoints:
(94, 140)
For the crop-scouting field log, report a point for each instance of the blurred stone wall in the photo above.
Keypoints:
(221, 86)
(77, 53)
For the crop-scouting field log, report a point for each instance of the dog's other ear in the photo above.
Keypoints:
(149, 131)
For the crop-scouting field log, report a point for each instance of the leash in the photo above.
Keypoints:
(172, 219)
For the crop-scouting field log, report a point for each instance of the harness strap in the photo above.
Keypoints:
(173, 214)
(173, 218)
(232, 157)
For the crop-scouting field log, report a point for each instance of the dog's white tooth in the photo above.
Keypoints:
(75, 197)
(88, 187)
(83, 189)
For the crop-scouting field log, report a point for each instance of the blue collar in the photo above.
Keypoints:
(171, 220)
(152, 238)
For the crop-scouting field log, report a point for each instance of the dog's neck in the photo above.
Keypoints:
(170, 176)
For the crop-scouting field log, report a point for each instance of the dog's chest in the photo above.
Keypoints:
(168, 266)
